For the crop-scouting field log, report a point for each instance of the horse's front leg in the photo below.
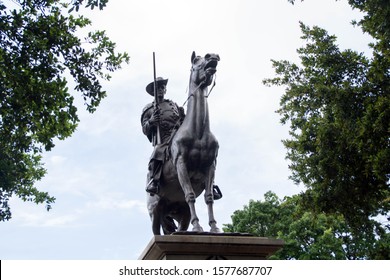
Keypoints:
(189, 193)
(209, 199)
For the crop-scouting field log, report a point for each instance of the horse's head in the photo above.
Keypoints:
(203, 68)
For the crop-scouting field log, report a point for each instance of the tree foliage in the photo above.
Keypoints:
(39, 47)
(337, 103)
(309, 235)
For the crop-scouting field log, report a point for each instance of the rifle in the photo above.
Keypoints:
(157, 137)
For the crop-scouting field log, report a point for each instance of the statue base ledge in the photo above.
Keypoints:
(210, 246)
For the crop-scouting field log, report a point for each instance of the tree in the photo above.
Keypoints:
(39, 48)
(338, 106)
(376, 22)
(309, 235)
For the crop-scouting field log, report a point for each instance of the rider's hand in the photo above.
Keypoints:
(155, 118)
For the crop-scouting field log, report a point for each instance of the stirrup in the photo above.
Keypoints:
(217, 192)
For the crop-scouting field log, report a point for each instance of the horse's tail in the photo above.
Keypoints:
(168, 225)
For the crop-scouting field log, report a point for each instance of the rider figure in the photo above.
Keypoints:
(166, 117)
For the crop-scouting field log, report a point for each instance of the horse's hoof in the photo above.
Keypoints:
(215, 230)
(197, 229)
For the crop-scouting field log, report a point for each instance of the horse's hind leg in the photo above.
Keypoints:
(156, 223)
(209, 199)
(184, 219)
(154, 207)
(188, 192)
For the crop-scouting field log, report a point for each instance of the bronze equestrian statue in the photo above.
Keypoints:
(183, 165)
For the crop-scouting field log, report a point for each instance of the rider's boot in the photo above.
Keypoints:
(153, 186)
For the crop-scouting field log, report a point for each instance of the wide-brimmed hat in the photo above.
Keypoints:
(159, 81)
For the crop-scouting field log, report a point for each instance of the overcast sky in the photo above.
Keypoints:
(98, 175)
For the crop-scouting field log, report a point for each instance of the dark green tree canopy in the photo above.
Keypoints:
(337, 103)
(38, 49)
(309, 235)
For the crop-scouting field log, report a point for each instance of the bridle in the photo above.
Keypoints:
(196, 89)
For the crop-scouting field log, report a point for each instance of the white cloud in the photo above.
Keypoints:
(33, 216)
(112, 203)
(57, 160)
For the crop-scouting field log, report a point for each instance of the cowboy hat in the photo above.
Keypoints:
(159, 81)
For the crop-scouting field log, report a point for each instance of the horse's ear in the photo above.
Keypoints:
(193, 56)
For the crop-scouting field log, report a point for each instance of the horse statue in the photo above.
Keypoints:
(191, 166)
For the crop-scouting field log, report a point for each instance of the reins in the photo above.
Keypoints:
(212, 87)
(207, 96)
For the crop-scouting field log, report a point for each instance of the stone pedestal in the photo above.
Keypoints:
(207, 246)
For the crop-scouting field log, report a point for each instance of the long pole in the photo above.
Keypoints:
(158, 137)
